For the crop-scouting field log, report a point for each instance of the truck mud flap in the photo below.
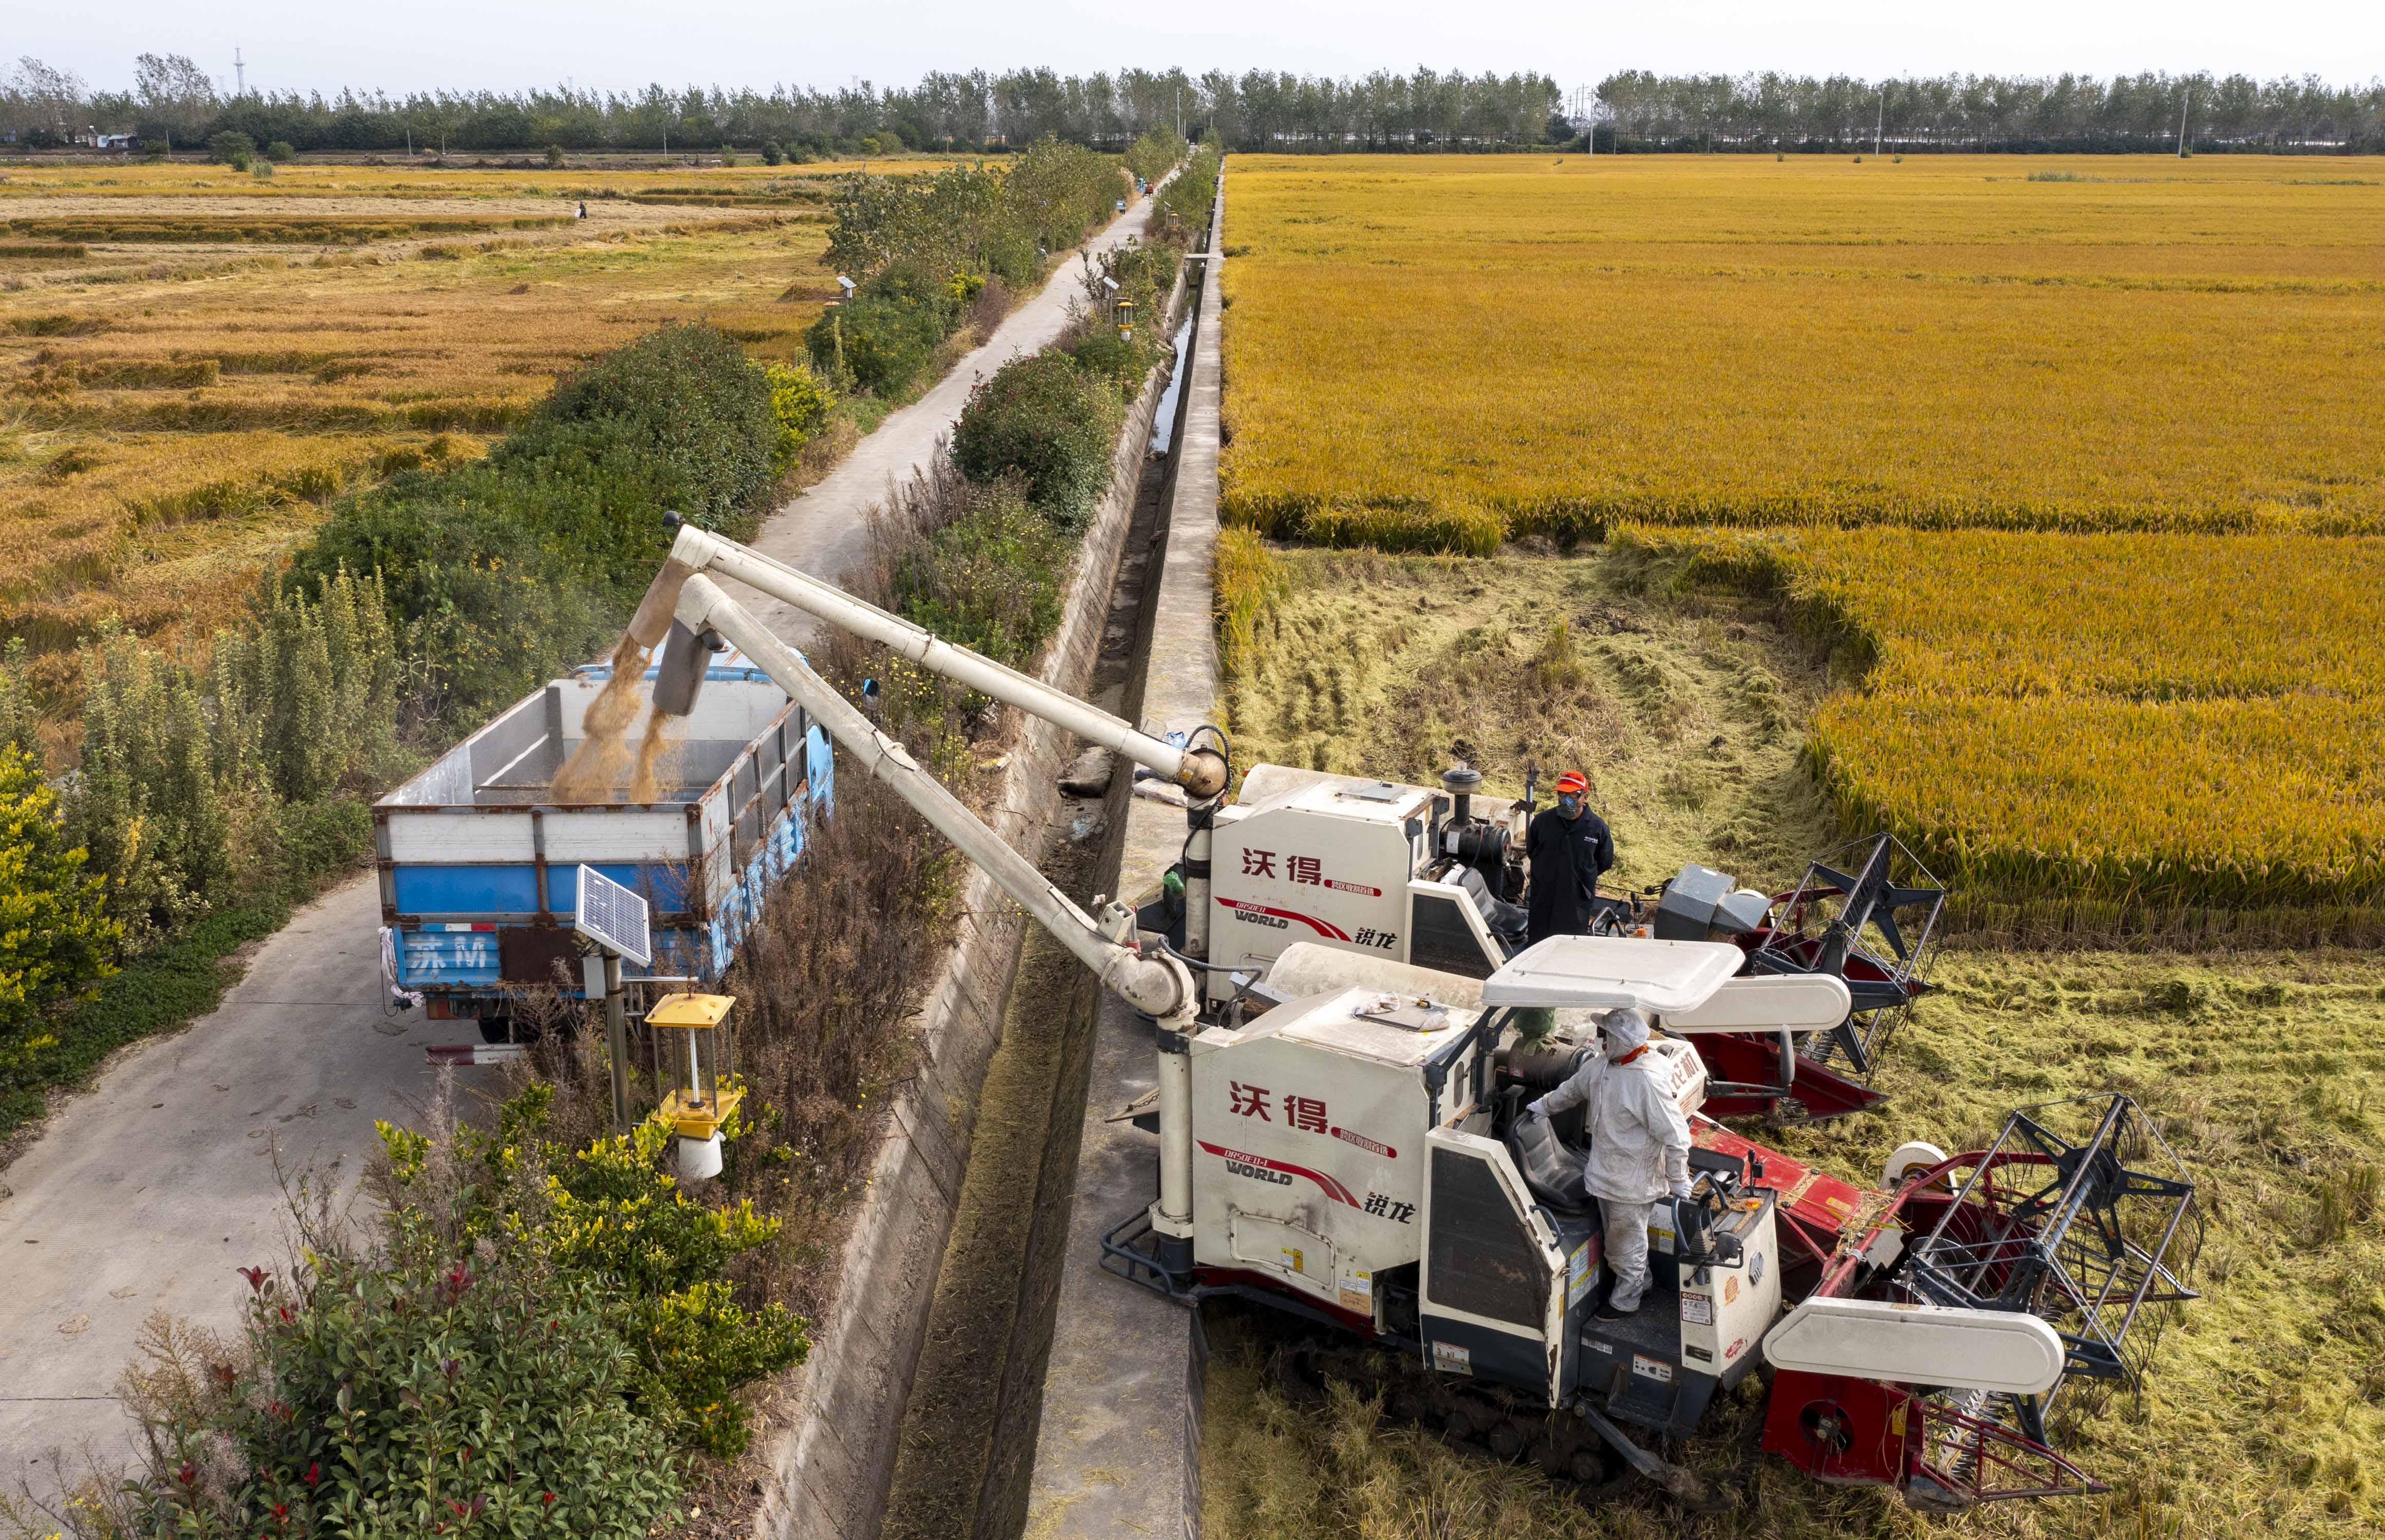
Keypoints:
(539, 955)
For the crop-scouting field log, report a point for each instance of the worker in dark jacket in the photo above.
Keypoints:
(1569, 846)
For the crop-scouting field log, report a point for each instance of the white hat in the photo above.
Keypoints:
(1625, 1028)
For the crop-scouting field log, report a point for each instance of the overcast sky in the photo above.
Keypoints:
(612, 44)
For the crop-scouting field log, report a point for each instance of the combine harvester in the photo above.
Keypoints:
(1341, 1139)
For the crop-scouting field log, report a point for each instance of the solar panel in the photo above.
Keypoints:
(612, 917)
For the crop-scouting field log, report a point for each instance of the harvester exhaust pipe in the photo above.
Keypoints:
(1461, 781)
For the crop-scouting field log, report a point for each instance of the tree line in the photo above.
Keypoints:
(173, 99)
(2146, 111)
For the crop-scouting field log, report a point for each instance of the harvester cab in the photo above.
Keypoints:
(1336, 1111)
(1358, 1158)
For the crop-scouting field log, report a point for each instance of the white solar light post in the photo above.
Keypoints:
(614, 918)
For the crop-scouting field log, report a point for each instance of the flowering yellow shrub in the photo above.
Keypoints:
(800, 402)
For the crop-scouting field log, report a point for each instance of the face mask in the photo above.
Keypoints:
(1569, 804)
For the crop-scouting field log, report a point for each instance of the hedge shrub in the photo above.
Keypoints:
(686, 400)
(56, 936)
(401, 1393)
(503, 571)
(989, 580)
(1045, 421)
(1113, 361)
(800, 401)
(882, 343)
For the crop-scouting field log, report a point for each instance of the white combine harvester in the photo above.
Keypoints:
(1338, 1138)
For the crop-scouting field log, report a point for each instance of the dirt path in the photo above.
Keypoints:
(147, 1191)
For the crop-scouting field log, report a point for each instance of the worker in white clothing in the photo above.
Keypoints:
(1639, 1147)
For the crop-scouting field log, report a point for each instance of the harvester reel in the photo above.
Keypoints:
(2081, 1215)
(1852, 918)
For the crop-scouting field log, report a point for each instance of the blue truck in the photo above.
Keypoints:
(480, 864)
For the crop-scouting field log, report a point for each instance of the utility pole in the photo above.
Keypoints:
(1880, 129)
(2182, 119)
(240, 74)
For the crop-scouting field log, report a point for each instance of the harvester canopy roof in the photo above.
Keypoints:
(1605, 972)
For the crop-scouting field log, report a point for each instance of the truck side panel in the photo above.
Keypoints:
(439, 837)
(510, 893)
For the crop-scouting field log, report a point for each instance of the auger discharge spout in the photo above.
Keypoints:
(1200, 770)
(1159, 986)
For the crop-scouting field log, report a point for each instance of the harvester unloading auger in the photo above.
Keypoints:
(1339, 1130)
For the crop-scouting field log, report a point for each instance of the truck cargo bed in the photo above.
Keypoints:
(480, 862)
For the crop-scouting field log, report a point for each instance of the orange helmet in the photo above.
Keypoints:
(1572, 782)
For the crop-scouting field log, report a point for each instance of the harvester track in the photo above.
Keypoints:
(1489, 1423)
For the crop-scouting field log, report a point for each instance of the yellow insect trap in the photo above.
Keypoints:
(694, 1051)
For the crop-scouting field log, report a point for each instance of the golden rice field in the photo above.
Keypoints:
(1432, 351)
(2077, 463)
(2140, 723)
(174, 413)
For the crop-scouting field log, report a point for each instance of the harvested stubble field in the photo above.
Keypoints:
(173, 415)
(2264, 1413)
(1687, 722)
(1432, 351)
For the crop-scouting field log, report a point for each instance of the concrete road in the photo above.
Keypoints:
(147, 1191)
(823, 531)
